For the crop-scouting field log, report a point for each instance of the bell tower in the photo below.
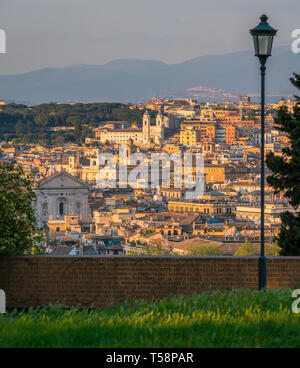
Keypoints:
(146, 127)
(159, 126)
(159, 119)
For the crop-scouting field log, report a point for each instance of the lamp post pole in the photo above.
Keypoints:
(263, 36)
(262, 258)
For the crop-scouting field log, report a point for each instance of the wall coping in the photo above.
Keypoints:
(148, 257)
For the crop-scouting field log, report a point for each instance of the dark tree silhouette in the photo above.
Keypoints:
(286, 175)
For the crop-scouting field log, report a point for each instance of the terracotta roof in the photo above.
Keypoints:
(193, 242)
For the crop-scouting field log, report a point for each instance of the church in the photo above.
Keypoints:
(60, 195)
(139, 136)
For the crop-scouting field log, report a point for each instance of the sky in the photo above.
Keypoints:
(55, 33)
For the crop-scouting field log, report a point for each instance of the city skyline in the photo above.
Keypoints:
(149, 176)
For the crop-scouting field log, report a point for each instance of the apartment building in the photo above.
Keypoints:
(211, 208)
(190, 136)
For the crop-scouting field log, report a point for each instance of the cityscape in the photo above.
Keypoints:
(149, 178)
(79, 217)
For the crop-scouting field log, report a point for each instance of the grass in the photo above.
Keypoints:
(240, 318)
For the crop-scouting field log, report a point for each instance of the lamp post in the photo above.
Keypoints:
(263, 36)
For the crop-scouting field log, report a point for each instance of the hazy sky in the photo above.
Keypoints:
(52, 33)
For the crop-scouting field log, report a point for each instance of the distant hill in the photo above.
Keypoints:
(130, 80)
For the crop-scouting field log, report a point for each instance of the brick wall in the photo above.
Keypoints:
(103, 281)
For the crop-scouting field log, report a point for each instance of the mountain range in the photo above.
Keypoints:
(132, 80)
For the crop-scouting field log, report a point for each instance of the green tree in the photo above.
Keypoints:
(153, 250)
(77, 131)
(251, 115)
(205, 250)
(272, 249)
(245, 249)
(74, 120)
(42, 119)
(18, 230)
(286, 175)
(21, 128)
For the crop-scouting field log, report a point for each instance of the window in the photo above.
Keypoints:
(45, 209)
(78, 209)
(61, 208)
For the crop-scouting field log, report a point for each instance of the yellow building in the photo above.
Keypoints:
(59, 227)
(190, 137)
(172, 193)
(84, 167)
(171, 148)
(253, 212)
(210, 208)
(214, 173)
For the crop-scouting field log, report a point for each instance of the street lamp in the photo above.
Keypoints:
(263, 36)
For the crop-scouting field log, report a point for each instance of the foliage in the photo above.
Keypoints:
(32, 124)
(272, 250)
(251, 115)
(286, 175)
(18, 231)
(153, 250)
(246, 249)
(238, 318)
(205, 250)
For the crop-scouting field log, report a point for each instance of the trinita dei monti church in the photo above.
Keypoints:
(59, 195)
(149, 133)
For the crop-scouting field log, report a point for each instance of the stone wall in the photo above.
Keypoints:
(104, 281)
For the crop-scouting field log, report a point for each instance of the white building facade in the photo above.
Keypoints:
(59, 195)
(149, 133)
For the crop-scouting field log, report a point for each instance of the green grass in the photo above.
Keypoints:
(240, 318)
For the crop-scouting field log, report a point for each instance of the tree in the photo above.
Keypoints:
(95, 144)
(21, 129)
(59, 140)
(42, 119)
(77, 131)
(286, 175)
(251, 115)
(153, 250)
(74, 119)
(245, 249)
(18, 230)
(272, 249)
(205, 250)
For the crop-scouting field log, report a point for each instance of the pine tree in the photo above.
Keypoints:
(286, 175)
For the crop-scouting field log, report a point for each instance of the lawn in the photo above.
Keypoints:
(240, 318)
